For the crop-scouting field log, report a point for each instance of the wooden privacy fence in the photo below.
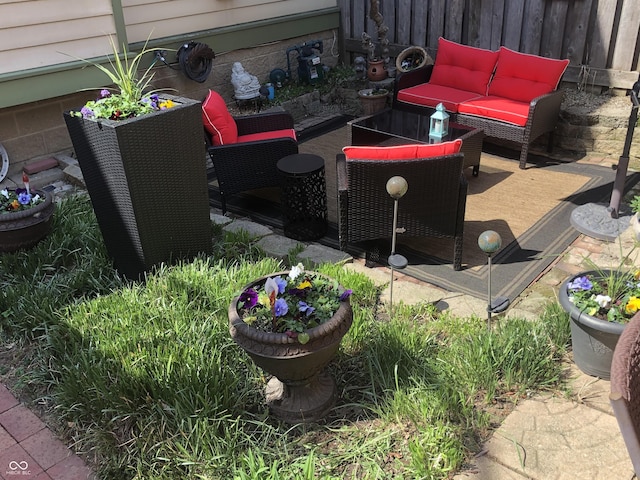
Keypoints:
(601, 38)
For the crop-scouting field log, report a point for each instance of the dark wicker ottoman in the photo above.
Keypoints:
(304, 196)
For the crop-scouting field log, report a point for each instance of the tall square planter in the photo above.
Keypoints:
(147, 180)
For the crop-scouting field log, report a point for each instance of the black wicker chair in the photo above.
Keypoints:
(244, 166)
(434, 204)
(625, 388)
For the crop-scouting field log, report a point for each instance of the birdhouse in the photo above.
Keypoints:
(439, 126)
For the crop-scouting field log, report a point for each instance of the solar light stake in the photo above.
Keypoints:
(396, 188)
(490, 242)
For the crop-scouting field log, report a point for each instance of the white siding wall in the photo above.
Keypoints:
(37, 33)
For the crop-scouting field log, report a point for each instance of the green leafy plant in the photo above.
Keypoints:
(129, 97)
(291, 304)
(17, 200)
(635, 204)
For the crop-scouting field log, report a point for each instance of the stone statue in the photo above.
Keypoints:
(246, 86)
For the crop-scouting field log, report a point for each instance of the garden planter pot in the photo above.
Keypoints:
(301, 390)
(592, 340)
(147, 180)
(373, 101)
(25, 228)
(635, 224)
(376, 71)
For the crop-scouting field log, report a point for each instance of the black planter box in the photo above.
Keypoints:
(147, 180)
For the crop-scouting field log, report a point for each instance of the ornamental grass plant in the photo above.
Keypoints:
(145, 381)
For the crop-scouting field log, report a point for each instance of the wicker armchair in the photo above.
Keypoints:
(248, 165)
(625, 388)
(434, 204)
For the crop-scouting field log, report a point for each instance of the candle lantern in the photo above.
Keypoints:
(439, 127)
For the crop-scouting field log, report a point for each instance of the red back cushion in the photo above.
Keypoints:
(463, 67)
(218, 121)
(523, 77)
(403, 152)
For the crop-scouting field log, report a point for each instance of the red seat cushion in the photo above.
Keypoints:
(463, 67)
(430, 95)
(523, 77)
(497, 108)
(217, 120)
(254, 137)
(403, 152)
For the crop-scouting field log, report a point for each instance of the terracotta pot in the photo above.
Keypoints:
(25, 228)
(592, 340)
(300, 390)
(376, 71)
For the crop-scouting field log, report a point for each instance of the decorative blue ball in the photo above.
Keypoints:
(489, 242)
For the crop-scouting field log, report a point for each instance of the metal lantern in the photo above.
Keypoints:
(439, 127)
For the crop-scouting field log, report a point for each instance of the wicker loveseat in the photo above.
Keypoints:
(510, 95)
(434, 204)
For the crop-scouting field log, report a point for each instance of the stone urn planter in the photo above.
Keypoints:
(593, 339)
(23, 229)
(301, 390)
(147, 181)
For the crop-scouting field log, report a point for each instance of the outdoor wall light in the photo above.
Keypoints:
(396, 188)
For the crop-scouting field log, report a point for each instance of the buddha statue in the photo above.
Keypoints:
(246, 86)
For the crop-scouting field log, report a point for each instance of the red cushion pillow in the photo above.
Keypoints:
(523, 77)
(218, 121)
(403, 152)
(463, 67)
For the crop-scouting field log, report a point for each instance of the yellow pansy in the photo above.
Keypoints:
(633, 305)
(305, 284)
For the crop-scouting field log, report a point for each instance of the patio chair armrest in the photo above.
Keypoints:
(411, 79)
(544, 112)
(264, 122)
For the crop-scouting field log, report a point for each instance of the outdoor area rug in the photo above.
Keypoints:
(530, 209)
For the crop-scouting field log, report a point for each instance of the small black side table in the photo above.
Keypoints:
(304, 196)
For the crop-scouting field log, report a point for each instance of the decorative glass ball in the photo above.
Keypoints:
(489, 242)
(397, 187)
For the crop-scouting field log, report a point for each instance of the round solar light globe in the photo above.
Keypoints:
(489, 242)
(397, 187)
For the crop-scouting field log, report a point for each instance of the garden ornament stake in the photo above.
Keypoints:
(396, 188)
(490, 242)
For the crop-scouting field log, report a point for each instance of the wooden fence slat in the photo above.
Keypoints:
(403, 22)
(388, 11)
(419, 22)
(555, 18)
(437, 14)
(513, 19)
(601, 34)
(575, 34)
(532, 26)
(627, 35)
(497, 20)
(454, 21)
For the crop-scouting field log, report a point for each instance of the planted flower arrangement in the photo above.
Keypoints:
(292, 303)
(25, 216)
(291, 324)
(140, 150)
(600, 304)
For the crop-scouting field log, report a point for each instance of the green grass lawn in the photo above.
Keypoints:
(145, 380)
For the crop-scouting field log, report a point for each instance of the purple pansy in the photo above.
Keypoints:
(580, 283)
(86, 112)
(281, 308)
(305, 308)
(104, 93)
(249, 298)
(282, 284)
(24, 198)
(346, 294)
